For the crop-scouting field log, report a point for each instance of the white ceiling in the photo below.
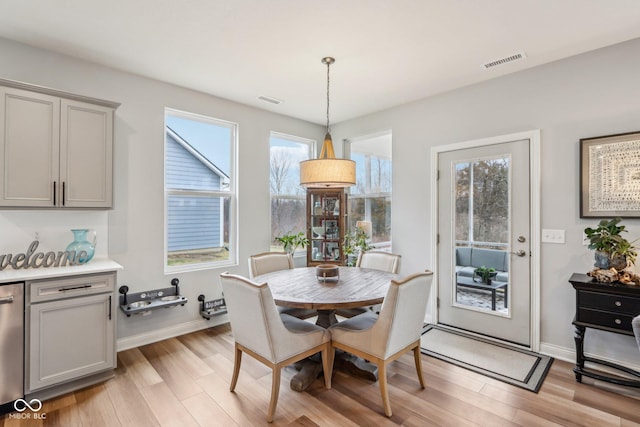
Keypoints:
(388, 52)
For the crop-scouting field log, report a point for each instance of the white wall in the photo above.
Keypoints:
(589, 95)
(135, 224)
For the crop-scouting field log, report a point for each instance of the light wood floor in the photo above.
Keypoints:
(184, 381)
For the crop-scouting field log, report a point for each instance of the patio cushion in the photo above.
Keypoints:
(468, 259)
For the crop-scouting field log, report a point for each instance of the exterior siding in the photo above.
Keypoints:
(184, 171)
(193, 222)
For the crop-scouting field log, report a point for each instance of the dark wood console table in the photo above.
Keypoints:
(608, 307)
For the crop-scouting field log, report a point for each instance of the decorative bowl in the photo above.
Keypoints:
(326, 272)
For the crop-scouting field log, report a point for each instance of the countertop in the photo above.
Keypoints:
(97, 265)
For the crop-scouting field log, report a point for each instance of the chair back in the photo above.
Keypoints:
(635, 325)
(402, 316)
(269, 261)
(252, 313)
(378, 260)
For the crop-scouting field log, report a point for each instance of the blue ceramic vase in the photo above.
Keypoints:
(81, 244)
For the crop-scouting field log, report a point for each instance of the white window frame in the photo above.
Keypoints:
(231, 193)
(386, 245)
(311, 144)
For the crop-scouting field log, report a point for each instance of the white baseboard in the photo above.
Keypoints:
(569, 355)
(557, 352)
(170, 332)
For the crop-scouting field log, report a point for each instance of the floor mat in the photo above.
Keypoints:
(518, 367)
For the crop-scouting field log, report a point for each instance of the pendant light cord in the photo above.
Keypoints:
(328, 65)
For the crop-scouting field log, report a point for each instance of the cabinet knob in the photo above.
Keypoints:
(618, 321)
(618, 303)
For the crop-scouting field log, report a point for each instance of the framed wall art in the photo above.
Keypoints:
(610, 176)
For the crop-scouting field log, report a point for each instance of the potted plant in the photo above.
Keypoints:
(612, 250)
(354, 242)
(290, 242)
(485, 274)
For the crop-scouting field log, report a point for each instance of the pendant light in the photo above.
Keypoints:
(327, 171)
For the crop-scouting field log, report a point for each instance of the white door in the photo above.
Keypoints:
(484, 220)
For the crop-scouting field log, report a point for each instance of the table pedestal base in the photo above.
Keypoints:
(326, 318)
(310, 369)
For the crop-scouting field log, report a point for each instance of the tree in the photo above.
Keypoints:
(486, 182)
(287, 212)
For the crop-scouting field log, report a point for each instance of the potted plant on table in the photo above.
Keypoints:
(611, 249)
(485, 274)
(290, 242)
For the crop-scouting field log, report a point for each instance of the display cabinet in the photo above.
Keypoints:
(326, 221)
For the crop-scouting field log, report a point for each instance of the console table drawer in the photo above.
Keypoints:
(609, 302)
(607, 319)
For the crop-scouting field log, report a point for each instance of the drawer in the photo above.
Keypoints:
(607, 319)
(70, 287)
(609, 302)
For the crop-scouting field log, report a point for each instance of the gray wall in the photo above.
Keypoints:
(136, 223)
(588, 95)
(593, 94)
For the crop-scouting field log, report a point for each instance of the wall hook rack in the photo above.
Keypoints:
(145, 302)
(212, 308)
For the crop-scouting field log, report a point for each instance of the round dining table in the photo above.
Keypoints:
(303, 288)
(353, 287)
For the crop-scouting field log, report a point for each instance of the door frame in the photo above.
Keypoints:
(534, 181)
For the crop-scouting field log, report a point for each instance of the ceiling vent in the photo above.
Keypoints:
(515, 57)
(270, 100)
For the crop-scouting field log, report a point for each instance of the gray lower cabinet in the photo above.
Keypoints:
(70, 329)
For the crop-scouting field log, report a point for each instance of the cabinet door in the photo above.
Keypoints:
(29, 143)
(86, 155)
(69, 339)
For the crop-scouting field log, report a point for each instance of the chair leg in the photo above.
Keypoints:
(236, 367)
(275, 390)
(416, 356)
(382, 379)
(327, 364)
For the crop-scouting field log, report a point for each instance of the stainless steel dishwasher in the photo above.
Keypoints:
(11, 344)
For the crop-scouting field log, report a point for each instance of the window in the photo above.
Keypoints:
(370, 198)
(200, 194)
(288, 198)
(482, 202)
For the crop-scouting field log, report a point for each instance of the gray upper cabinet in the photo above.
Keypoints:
(55, 151)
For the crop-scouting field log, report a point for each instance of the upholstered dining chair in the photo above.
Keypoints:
(275, 339)
(267, 262)
(377, 260)
(383, 338)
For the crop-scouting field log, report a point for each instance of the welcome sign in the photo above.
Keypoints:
(33, 259)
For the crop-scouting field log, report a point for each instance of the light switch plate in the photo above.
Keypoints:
(552, 236)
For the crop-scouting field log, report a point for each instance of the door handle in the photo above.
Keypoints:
(6, 300)
(520, 253)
